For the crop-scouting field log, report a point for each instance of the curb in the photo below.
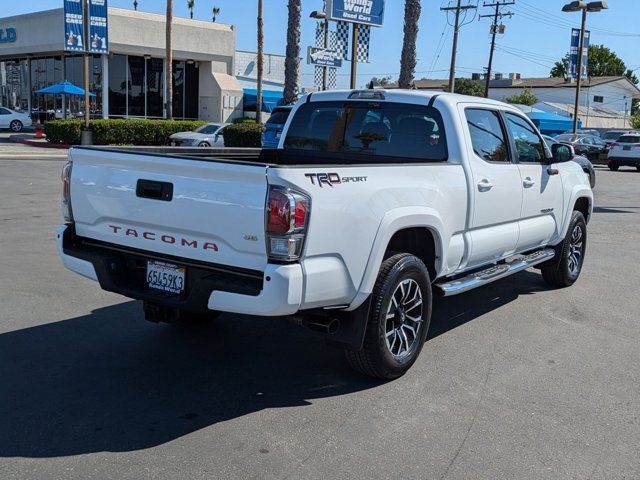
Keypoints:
(35, 143)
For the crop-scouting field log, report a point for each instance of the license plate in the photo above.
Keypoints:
(165, 276)
(626, 148)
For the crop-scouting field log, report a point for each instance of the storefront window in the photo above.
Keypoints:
(14, 84)
(136, 87)
(118, 86)
(178, 89)
(155, 87)
(192, 86)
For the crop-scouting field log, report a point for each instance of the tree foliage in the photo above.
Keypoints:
(635, 121)
(526, 97)
(380, 82)
(466, 86)
(601, 62)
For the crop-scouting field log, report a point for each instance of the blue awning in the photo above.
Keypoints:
(270, 99)
(551, 123)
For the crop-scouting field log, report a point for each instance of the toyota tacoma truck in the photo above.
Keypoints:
(374, 203)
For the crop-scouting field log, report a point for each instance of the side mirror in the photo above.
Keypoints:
(561, 153)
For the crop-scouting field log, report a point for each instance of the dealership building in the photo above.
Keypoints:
(129, 82)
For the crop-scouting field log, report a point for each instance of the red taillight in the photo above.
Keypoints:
(278, 212)
(287, 217)
(614, 144)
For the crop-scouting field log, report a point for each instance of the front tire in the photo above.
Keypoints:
(204, 144)
(565, 268)
(398, 319)
(613, 167)
(16, 126)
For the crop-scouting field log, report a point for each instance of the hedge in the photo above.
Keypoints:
(119, 132)
(243, 135)
(244, 120)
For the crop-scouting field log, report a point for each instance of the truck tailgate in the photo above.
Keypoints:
(198, 209)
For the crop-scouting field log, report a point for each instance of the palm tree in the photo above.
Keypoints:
(191, 5)
(292, 60)
(408, 58)
(169, 57)
(216, 11)
(135, 5)
(259, 79)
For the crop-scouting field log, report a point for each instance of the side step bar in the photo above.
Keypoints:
(493, 273)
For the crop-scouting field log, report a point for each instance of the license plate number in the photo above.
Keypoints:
(626, 148)
(165, 276)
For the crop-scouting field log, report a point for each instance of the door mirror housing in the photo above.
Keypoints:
(562, 153)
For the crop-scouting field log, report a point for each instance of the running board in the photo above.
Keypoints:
(496, 272)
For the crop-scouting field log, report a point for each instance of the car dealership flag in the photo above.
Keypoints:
(98, 26)
(74, 40)
(573, 53)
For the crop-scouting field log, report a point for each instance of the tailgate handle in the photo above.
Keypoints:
(154, 190)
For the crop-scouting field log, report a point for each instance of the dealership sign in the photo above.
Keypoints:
(98, 29)
(8, 35)
(74, 40)
(323, 57)
(366, 12)
(574, 53)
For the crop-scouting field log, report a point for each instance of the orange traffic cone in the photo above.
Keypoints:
(38, 129)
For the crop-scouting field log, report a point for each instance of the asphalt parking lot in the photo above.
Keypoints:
(516, 380)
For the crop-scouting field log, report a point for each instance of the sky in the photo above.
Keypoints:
(536, 36)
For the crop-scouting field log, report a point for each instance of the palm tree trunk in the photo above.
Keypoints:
(259, 79)
(292, 60)
(169, 57)
(408, 59)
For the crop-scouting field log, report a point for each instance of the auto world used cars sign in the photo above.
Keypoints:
(323, 57)
(366, 12)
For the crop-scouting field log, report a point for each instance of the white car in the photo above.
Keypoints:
(625, 152)
(374, 202)
(209, 135)
(14, 121)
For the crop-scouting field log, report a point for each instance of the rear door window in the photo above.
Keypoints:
(487, 136)
(629, 139)
(374, 132)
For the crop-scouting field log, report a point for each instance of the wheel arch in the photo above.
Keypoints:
(404, 229)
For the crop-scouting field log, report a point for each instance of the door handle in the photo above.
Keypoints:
(485, 185)
(528, 182)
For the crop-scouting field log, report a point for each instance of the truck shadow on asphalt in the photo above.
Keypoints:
(110, 381)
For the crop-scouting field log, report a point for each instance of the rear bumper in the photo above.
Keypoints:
(274, 292)
(624, 161)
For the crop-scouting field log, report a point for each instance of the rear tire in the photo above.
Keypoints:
(398, 319)
(204, 144)
(614, 167)
(638, 168)
(565, 268)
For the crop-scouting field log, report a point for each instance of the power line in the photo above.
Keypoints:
(456, 30)
(494, 31)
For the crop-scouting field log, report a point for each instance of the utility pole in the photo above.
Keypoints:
(494, 31)
(456, 29)
(579, 79)
(354, 56)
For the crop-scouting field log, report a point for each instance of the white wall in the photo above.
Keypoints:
(613, 93)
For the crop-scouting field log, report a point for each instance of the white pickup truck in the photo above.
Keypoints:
(374, 201)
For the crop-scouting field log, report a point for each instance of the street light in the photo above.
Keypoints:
(322, 16)
(584, 7)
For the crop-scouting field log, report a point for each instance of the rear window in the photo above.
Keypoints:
(368, 131)
(567, 138)
(278, 117)
(629, 139)
(612, 135)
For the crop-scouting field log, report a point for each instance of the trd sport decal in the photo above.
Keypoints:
(331, 179)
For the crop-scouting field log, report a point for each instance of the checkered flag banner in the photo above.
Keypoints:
(364, 37)
(340, 40)
(317, 77)
(332, 80)
(320, 34)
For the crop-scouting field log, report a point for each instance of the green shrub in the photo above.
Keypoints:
(246, 135)
(63, 131)
(244, 120)
(119, 131)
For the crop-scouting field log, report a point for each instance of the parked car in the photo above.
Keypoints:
(374, 201)
(585, 164)
(593, 132)
(625, 152)
(590, 146)
(14, 120)
(210, 135)
(274, 126)
(613, 135)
